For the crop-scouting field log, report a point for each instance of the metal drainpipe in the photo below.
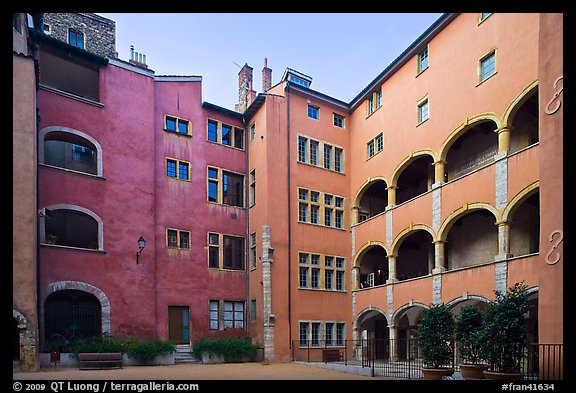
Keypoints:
(248, 318)
(289, 217)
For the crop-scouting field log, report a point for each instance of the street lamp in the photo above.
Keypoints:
(141, 245)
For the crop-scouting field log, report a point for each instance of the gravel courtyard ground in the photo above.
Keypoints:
(193, 372)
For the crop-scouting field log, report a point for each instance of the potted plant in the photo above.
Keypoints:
(51, 238)
(435, 334)
(469, 327)
(505, 333)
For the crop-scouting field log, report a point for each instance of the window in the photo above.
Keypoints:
(233, 317)
(233, 255)
(212, 131)
(320, 209)
(71, 228)
(252, 131)
(373, 102)
(318, 271)
(252, 187)
(72, 311)
(487, 66)
(340, 333)
(423, 60)
(214, 314)
(238, 138)
(76, 38)
(338, 167)
(314, 152)
(302, 147)
(226, 135)
(303, 333)
(225, 252)
(253, 250)
(177, 239)
(338, 121)
(310, 333)
(214, 250)
(231, 191)
(379, 142)
(177, 125)
(329, 333)
(370, 149)
(315, 340)
(320, 154)
(313, 112)
(327, 156)
(70, 151)
(423, 111)
(253, 309)
(177, 169)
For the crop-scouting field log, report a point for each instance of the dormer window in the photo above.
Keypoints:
(76, 38)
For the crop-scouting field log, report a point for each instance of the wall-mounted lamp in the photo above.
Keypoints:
(141, 245)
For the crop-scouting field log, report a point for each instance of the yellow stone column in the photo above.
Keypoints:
(393, 336)
(355, 278)
(391, 269)
(503, 241)
(439, 169)
(439, 256)
(391, 195)
(354, 215)
(503, 139)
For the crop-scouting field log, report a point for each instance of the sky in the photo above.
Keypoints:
(342, 52)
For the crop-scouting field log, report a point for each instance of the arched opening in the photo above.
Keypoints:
(524, 130)
(373, 201)
(476, 147)
(373, 267)
(525, 227)
(373, 325)
(71, 228)
(472, 239)
(415, 179)
(72, 314)
(415, 256)
(406, 322)
(15, 340)
(70, 151)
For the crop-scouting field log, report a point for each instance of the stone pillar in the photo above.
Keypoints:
(503, 241)
(503, 139)
(391, 269)
(268, 317)
(393, 335)
(266, 76)
(439, 170)
(391, 196)
(355, 278)
(439, 257)
(354, 215)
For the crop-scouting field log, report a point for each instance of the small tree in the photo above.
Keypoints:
(469, 334)
(435, 335)
(505, 334)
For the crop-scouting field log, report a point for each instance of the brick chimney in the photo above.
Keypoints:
(266, 76)
(246, 93)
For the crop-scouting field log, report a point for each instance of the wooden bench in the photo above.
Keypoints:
(101, 360)
(331, 355)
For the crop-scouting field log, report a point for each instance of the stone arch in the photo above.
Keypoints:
(52, 129)
(400, 310)
(408, 160)
(465, 126)
(467, 297)
(365, 186)
(517, 102)
(66, 206)
(85, 287)
(463, 210)
(395, 246)
(360, 253)
(517, 200)
(362, 314)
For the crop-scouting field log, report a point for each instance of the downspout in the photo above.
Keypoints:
(247, 241)
(289, 217)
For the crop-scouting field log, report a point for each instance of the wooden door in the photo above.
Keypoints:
(179, 324)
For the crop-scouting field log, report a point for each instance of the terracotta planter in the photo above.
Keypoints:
(502, 376)
(437, 373)
(473, 371)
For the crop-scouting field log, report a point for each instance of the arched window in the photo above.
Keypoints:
(71, 228)
(72, 314)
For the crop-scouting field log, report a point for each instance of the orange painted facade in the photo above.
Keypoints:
(440, 209)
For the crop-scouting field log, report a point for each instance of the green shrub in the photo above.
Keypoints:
(99, 344)
(468, 333)
(436, 336)
(233, 349)
(147, 349)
